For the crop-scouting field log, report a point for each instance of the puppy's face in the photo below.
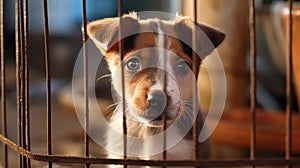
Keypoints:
(157, 63)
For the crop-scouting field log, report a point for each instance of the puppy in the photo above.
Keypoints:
(158, 82)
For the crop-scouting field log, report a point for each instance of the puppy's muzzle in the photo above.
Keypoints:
(157, 101)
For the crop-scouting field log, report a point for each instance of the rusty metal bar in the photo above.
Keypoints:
(164, 119)
(22, 83)
(19, 72)
(164, 113)
(289, 75)
(48, 80)
(26, 82)
(253, 79)
(169, 163)
(22, 77)
(85, 87)
(3, 85)
(121, 51)
(196, 113)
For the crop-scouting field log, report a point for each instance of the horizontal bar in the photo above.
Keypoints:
(169, 163)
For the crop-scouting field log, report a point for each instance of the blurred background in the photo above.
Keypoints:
(231, 138)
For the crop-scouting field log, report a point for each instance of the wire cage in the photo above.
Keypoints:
(22, 147)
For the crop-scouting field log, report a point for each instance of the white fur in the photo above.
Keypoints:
(181, 151)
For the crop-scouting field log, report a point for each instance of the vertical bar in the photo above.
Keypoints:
(253, 79)
(164, 119)
(26, 82)
(289, 75)
(3, 85)
(121, 51)
(195, 99)
(85, 66)
(48, 80)
(22, 76)
(18, 74)
(164, 114)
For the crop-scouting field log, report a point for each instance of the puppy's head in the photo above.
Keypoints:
(157, 62)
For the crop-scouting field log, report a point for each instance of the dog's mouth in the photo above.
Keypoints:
(159, 109)
(164, 114)
(160, 121)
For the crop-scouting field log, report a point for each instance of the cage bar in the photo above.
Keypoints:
(164, 115)
(85, 83)
(18, 36)
(289, 75)
(3, 83)
(164, 119)
(121, 51)
(196, 129)
(253, 78)
(22, 147)
(182, 163)
(48, 80)
(26, 82)
(21, 73)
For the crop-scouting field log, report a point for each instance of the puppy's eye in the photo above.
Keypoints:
(183, 67)
(133, 64)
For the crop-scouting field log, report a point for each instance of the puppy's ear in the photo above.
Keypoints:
(104, 32)
(207, 38)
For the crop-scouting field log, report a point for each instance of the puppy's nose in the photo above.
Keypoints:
(157, 103)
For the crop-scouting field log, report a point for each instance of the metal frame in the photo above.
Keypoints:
(22, 78)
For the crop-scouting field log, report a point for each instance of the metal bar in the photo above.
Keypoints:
(253, 79)
(164, 154)
(164, 114)
(18, 74)
(194, 86)
(121, 51)
(85, 69)
(169, 163)
(3, 85)
(164, 119)
(48, 80)
(289, 75)
(26, 81)
(22, 78)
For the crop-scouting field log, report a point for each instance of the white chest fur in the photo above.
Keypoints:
(183, 150)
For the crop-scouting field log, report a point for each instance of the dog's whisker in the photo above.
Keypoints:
(103, 76)
(112, 105)
(189, 104)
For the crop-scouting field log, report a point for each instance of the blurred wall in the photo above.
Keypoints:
(231, 17)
